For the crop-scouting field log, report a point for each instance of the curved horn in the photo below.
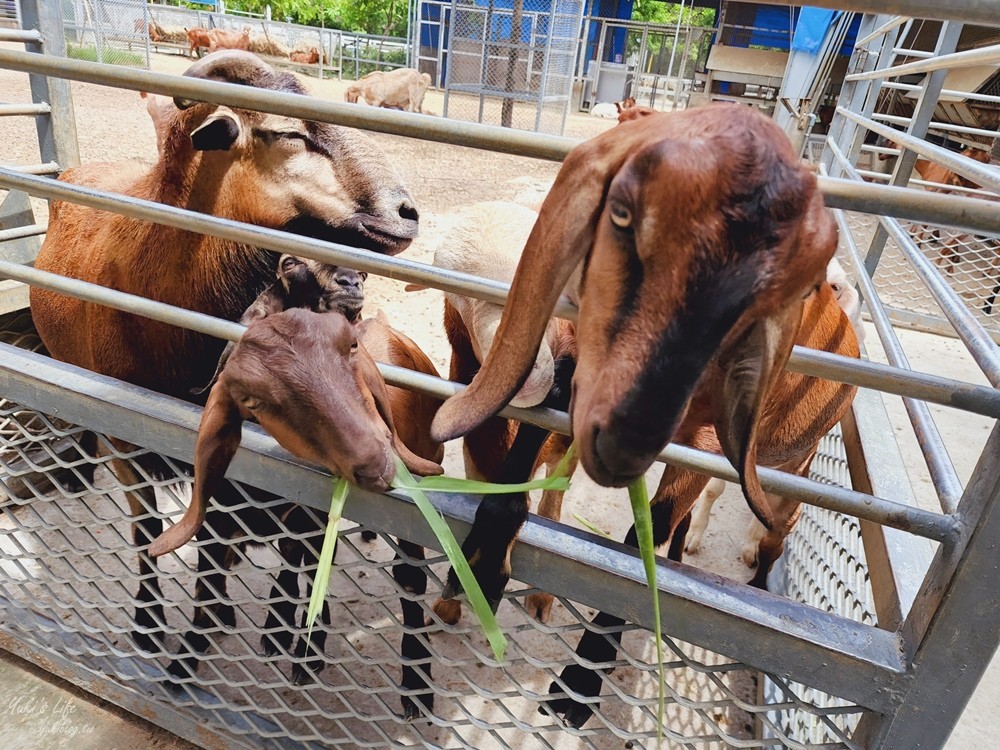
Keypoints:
(561, 237)
(229, 66)
(218, 438)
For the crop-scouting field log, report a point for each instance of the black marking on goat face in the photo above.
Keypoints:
(644, 421)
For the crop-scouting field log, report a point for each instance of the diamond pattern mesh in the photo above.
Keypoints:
(69, 588)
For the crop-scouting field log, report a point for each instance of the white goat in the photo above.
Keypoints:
(402, 88)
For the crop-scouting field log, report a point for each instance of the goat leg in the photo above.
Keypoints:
(418, 697)
(580, 683)
(498, 519)
(149, 617)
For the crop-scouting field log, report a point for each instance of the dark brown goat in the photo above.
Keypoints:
(280, 172)
(703, 236)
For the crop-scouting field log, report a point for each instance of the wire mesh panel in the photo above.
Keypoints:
(512, 66)
(108, 31)
(70, 591)
(824, 566)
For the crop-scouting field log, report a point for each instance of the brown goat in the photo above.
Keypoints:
(229, 39)
(691, 297)
(946, 181)
(197, 38)
(307, 57)
(312, 178)
(310, 382)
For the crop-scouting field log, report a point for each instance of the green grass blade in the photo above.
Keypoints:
(639, 497)
(591, 526)
(475, 487)
(318, 593)
(477, 600)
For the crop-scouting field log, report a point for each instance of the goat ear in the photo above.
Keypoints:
(218, 133)
(561, 237)
(750, 370)
(376, 385)
(218, 438)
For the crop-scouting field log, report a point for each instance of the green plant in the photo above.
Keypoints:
(109, 55)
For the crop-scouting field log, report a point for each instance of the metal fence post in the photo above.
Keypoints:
(923, 113)
(953, 653)
(57, 130)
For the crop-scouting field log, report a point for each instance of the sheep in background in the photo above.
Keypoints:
(486, 240)
(692, 280)
(403, 88)
(612, 110)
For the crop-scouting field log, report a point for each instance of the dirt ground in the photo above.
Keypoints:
(113, 126)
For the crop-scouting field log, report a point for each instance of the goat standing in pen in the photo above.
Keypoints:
(310, 382)
(312, 178)
(486, 240)
(696, 246)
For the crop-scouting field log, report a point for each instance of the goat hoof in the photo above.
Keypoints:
(539, 606)
(417, 706)
(197, 643)
(184, 668)
(368, 535)
(759, 581)
(273, 644)
(306, 674)
(150, 642)
(450, 611)
(582, 681)
(493, 586)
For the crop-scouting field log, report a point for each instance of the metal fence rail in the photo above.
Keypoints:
(848, 672)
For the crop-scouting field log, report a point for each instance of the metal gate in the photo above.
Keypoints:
(852, 658)
(512, 66)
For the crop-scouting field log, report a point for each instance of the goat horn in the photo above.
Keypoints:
(229, 66)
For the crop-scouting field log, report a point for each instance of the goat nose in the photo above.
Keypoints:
(407, 210)
(348, 278)
(617, 462)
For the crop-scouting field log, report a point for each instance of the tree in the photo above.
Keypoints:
(382, 17)
(654, 11)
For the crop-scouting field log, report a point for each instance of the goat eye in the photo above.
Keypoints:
(250, 402)
(621, 215)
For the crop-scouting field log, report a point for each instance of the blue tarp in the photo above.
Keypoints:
(811, 29)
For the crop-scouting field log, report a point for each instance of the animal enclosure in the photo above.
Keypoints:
(827, 660)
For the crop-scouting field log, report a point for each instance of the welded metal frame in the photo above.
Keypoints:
(906, 672)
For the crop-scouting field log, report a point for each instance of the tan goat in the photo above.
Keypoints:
(315, 179)
(691, 297)
(402, 88)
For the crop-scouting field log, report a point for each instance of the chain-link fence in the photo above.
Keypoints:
(512, 66)
(108, 31)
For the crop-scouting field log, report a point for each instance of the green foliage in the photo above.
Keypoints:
(381, 17)
(654, 11)
(109, 55)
